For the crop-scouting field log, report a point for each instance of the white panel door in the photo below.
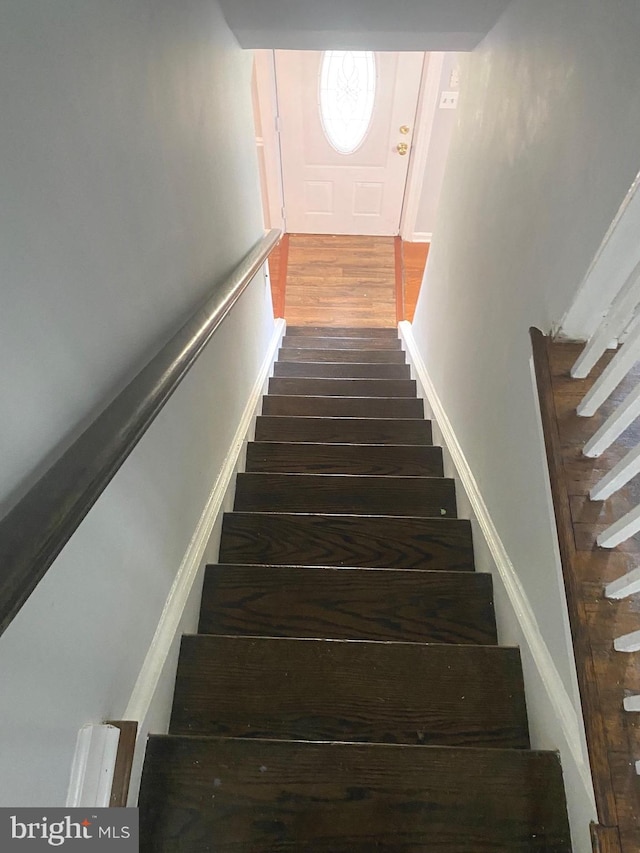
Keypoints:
(327, 191)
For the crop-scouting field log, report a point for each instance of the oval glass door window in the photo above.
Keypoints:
(347, 94)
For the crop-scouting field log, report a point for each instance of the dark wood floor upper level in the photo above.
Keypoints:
(605, 675)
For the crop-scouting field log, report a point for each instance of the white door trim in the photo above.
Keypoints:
(268, 106)
(427, 106)
(425, 115)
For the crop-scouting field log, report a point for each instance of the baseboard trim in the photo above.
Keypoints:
(168, 625)
(554, 686)
(421, 237)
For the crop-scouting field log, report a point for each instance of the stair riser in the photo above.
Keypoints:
(343, 355)
(326, 540)
(335, 493)
(344, 459)
(347, 370)
(344, 332)
(230, 796)
(343, 387)
(343, 407)
(344, 430)
(336, 690)
(331, 343)
(348, 604)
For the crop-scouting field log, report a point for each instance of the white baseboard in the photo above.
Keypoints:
(147, 681)
(420, 237)
(558, 696)
(165, 635)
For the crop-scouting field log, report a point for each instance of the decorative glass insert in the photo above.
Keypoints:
(347, 93)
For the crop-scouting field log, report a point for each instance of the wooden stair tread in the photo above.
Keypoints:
(348, 493)
(341, 355)
(316, 387)
(348, 604)
(319, 458)
(309, 689)
(343, 430)
(356, 343)
(342, 332)
(288, 797)
(345, 611)
(340, 370)
(354, 407)
(323, 539)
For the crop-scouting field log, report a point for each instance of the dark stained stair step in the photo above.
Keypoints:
(331, 343)
(342, 355)
(378, 459)
(344, 430)
(343, 387)
(345, 407)
(348, 604)
(296, 689)
(248, 795)
(335, 493)
(347, 540)
(342, 332)
(346, 370)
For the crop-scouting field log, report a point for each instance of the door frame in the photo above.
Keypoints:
(267, 99)
(425, 115)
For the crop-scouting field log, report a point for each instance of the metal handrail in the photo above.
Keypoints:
(38, 527)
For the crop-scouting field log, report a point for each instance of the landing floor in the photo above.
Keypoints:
(327, 280)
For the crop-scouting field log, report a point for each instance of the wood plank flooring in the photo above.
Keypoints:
(414, 260)
(605, 676)
(333, 281)
(340, 281)
(278, 261)
(325, 280)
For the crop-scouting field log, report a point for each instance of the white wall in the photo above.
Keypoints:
(404, 25)
(554, 713)
(545, 149)
(444, 121)
(128, 184)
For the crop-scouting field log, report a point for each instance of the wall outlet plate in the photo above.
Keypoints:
(448, 100)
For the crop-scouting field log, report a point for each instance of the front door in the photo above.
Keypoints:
(346, 123)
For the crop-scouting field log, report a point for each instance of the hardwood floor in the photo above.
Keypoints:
(340, 281)
(278, 261)
(336, 281)
(605, 675)
(414, 260)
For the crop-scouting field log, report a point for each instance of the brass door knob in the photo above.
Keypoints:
(402, 148)
(404, 129)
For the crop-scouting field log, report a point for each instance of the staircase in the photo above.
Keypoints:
(345, 692)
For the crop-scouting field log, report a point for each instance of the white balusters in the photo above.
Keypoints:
(612, 375)
(624, 586)
(624, 471)
(615, 425)
(628, 642)
(612, 327)
(622, 530)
